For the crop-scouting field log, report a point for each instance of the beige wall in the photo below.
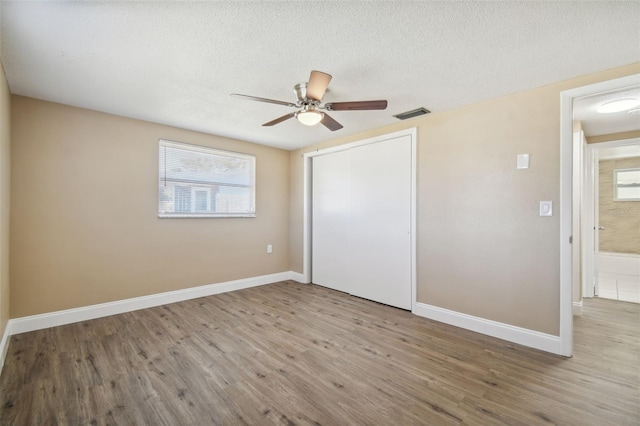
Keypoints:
(84, 224)
(620, 219)
(482, 248)
(5, 175)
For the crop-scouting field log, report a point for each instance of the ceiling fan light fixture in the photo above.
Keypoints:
(618, 105)
(309, 117)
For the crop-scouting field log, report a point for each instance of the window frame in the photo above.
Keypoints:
(617, 184)
(164, 143)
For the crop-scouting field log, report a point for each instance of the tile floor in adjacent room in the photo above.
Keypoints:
(626, 290)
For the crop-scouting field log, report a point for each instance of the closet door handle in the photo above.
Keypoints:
(600, 228)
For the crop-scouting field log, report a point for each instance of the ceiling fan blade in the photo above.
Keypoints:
(280, 119)
(255, 98)
(318, 83)
(356, 106)
(330, 123)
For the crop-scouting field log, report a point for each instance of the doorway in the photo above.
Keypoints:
(571, 295)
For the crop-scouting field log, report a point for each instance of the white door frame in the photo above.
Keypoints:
(307, 188)
(566, 205)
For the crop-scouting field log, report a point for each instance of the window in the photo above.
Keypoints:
(626, 185)
(196, 181)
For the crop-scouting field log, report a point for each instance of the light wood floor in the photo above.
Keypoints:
(301, 354)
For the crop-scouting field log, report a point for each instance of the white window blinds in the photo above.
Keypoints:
(196, 181)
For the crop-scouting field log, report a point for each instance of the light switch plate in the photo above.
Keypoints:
(546, 208)
(523, 161)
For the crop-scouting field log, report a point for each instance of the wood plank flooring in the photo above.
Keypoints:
(297, 354)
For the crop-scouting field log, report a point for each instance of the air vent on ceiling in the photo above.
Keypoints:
(413, 113)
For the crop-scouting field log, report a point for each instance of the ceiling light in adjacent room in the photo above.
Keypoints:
(618, 105)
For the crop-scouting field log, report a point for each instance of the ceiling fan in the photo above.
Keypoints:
(309, 100)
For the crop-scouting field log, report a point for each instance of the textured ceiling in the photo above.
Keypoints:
(177, 62)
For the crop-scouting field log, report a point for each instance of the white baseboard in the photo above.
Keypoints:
(53, 319)
(576, 308)
(522, 336)
(298, 277)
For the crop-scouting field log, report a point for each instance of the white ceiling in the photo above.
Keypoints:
(177, 62)
(595, 123)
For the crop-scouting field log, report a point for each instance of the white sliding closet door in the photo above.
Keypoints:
(330, 216)
(380, 222)
(362, 221)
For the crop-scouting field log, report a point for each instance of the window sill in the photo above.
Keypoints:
(204, 216)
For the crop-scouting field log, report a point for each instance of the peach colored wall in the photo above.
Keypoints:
(84, 206)
(5, 177)
(482, 248)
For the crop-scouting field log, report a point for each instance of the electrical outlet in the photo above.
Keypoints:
(269, 248)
